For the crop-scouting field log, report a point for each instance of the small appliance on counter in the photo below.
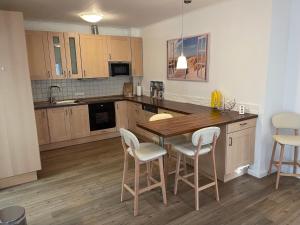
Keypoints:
(128, 89)
(138, 90)
(157, 89)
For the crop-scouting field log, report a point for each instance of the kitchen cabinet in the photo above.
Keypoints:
(137, 56)
(121, 114)
(73, 55)
(119, 48)
(19, 150)
(57, 55)
(38, 55)
(234, 150)
(41, 119)
(59, 124)
(240, 149)
(79, 121)
(66, 123)
(94, 56)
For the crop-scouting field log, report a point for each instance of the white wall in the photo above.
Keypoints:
(240, 33)
(69, 27)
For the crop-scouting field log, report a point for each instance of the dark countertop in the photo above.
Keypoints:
(199, 112)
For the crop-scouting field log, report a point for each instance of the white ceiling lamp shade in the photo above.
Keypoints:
(91, 17)
(181, 61)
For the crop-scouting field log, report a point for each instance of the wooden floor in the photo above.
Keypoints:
(82, 184)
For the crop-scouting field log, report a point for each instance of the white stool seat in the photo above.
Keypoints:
(287, 139)
(189, 149)
(148, 151)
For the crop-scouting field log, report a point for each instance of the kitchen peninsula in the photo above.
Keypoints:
(235, 149)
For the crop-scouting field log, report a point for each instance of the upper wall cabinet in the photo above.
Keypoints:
(38, 55)
(94, 56)
(53, 55)
(137, 56)
(118, 48)
(73, 55)
(57, 55)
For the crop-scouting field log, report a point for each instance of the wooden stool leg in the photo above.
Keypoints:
(177, 172)
(148, 173)
(184, 165)
(136, 187)
(125, 170)
(215, 174)
(162, 179)
(196, 182)
(295, 159)
(272, 157)
(279, 166)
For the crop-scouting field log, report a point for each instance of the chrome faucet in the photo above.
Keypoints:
(51, 98)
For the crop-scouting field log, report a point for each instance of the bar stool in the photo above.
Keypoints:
(203, 142)
(169, 142)
(143, 153)
(286, 120)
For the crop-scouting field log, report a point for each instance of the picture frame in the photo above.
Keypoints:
(196, 50)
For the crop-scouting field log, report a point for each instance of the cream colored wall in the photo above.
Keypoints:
(240, 33)
(248, 59)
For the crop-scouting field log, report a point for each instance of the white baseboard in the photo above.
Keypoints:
(257, 174)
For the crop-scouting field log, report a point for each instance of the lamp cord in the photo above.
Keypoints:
(182, 27)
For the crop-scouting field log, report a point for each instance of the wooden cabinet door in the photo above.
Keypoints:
(137, 56)
(132, 113)
(38, 55)
(240, 149)
(57, 55)
(119, 48)
(42, 126)
(94, 56)
(79, 121)
(19, 150)
(121, 114)
(73, 55)
(59, 124)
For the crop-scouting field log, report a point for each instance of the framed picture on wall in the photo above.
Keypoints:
(195, 48)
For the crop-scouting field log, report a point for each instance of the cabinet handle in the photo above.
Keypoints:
(69, 73)
(83, 73)
(64, 73)
(243, 124)
(230, 141)
(49, 75)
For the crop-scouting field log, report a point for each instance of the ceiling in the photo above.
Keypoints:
(124, 13)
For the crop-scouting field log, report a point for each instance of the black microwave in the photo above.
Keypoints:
(119, 69)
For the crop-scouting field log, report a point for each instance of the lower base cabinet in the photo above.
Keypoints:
(42, 127)
(234, 151)
(59, 124)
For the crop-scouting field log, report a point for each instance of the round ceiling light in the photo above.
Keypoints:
(91, 17)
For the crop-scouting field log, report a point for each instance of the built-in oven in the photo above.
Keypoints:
(119, 68)
(102, 116)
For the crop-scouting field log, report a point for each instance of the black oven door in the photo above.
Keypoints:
(102, 116)
(119, 69)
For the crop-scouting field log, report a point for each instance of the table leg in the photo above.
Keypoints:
(162, 144)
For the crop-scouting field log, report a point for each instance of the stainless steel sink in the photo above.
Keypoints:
(71, 101)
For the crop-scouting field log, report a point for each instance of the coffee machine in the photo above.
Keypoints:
(157, 90)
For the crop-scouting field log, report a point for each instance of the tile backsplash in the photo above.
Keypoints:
(71, 89)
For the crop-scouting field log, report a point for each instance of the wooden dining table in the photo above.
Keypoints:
(189, 123)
